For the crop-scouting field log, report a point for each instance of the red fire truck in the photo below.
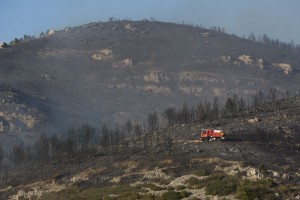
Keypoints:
(211, 134)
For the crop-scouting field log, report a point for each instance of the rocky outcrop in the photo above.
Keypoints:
(225, 60)
(15, 122)
(260, 63)
(254, 120)
(120, 86)
(126, 63)
(36, 190)
(15, 114)
(103, 54)
(157, 90)
(50, 32)
(46, 77)
(286, 68)
(194, 89)
(246, 59)
(218, 91)
(155, 76)
(129, 27)
(205, 34)
(192, 76)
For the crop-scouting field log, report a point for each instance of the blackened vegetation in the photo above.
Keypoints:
(76, 146)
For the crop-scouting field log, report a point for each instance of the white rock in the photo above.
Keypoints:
(246, 59)
(51, 31)
(103, 54)
(260, 63)
(286, 68)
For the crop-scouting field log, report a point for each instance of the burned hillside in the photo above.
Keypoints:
(109, 72)
(261, 151)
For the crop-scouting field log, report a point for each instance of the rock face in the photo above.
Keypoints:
(225, 59)
(286, 68)
(126, 63)
(155, 76)
(17, 115)
(129, 27)
(46, 77)
(254, 120)
(246, 59)
(205, 34)
(193, 76)
(260, 63)
(103, 54)
(194, 89)
(157, 90)
(51, 32)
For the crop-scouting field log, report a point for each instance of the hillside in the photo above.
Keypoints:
(109, 72)
(259, 159)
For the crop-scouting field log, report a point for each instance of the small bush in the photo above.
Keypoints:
(260, 189)
(216, 184)
(185, 194)
(121, 192)
(201, 172)
(163, 181)
(148, 197)
(262, 170)
(180, 187)
(170, 195)
(194, 182)
(194, 198)
(283, 191)
(220, 184)
(170, 188)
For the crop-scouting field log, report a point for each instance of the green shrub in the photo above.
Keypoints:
(194, 182)
(185, 194)
(220, 184)
(68, 193)
(148, 197)
(201, 172)
(122, 191)
(283, 189)
(180, 187)
(221, 187)
(260, 189)
(216, 184)
(262, 170)
(170, 195)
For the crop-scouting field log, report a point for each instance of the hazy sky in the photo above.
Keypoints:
(277, 18)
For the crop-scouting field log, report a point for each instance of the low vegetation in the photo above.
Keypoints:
(260, 189)
(169, 150)
(115, 192)
(216, 184)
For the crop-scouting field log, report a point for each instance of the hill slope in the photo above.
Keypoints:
(109, 72)
(172, 160)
